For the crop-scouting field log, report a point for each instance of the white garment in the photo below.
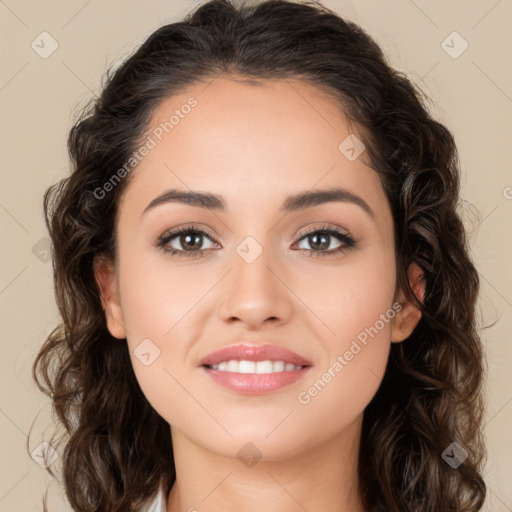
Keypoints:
(157, 504)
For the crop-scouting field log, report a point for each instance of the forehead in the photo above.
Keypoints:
(252, 143)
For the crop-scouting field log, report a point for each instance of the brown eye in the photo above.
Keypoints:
(185, 240)
(321, 241)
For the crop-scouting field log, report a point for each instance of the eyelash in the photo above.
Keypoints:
(348, 241)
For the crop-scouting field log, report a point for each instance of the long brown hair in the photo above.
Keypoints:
(117, 449)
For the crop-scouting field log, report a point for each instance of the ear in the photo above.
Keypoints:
(105, 274)
(408, 317)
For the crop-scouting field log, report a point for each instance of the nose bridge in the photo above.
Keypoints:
(254, 290)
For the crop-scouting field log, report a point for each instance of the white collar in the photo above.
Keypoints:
(157, 504)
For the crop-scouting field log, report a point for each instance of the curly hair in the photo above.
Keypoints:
(118, 449)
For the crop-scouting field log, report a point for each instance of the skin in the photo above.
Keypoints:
(255, 146)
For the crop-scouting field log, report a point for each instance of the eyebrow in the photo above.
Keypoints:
(293, 203)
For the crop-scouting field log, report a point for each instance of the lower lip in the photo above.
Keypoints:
(256, 383)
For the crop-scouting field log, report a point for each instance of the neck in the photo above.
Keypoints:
(324, 477)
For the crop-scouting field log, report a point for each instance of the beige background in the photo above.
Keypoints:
(472, 94)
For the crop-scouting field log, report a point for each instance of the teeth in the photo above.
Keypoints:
(255, 367)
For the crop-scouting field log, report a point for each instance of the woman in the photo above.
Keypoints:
(265, 286)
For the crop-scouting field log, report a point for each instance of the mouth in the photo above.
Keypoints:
(257, 367)
(254, 370)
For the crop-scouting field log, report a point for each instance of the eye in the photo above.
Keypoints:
(185, 241)
(321, 238)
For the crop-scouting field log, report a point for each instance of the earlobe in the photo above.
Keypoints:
(408, 317)
(105, 275)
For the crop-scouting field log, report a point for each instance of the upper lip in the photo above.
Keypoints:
(249, 352)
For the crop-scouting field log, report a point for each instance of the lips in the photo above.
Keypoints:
(248, 352)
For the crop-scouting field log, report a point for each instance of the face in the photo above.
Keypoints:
(257, 267)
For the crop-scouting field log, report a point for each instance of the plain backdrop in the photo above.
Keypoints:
(53, 56)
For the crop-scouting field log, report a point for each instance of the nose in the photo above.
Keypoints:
(255, 294)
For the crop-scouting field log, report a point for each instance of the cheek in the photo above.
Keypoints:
(161, 300)
(356, 327)
(158, 293)
(351, 297)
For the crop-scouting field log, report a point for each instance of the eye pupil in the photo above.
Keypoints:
(191, 238)
(314, 238)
